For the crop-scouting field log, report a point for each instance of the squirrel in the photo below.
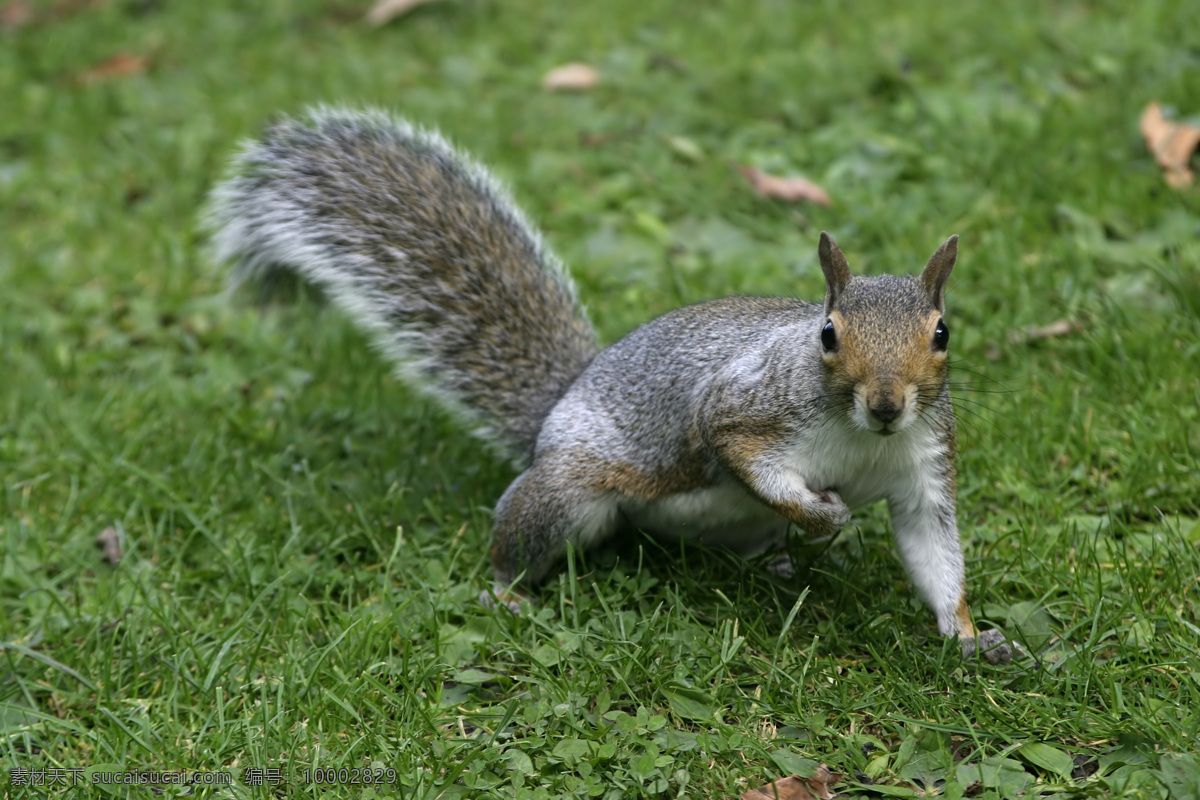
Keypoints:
(724, 422)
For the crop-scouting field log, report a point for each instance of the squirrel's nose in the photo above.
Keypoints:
(886, 411)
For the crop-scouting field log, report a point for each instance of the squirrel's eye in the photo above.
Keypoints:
(828, 337)
(941, 336)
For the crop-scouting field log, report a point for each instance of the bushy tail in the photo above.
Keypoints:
(424, 250)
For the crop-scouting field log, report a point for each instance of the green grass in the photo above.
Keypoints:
(305, 539)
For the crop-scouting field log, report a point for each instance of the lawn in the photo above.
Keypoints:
(304, 539)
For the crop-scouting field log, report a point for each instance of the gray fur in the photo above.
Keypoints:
(424, 250)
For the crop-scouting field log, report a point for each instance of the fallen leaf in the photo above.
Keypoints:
(122, 65)
(574, 77)
(385, 11)
(16, 14)
(685, 148)
(794, 787)
(593, 139)
(66, 8)
(1171, 143)
(792, 189)
(1032, 333)
(109, 542)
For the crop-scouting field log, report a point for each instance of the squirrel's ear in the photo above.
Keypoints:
(837, 271)
(934, 276)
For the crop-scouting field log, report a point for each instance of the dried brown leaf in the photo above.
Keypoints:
(1032, 333)
(16, 14)
(575, 77)
(122, 65)
(794, 787)
(792, 189)
(1172, 144)
(385, 11)
(109, 542)
(67, 8)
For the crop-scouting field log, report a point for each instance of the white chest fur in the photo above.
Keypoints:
(863, 467)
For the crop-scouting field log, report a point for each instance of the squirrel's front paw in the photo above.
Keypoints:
(992, 644)
(829, 514)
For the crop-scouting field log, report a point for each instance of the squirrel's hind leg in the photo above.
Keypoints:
(547, 507)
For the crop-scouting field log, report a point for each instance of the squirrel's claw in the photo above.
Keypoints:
(502, 596)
